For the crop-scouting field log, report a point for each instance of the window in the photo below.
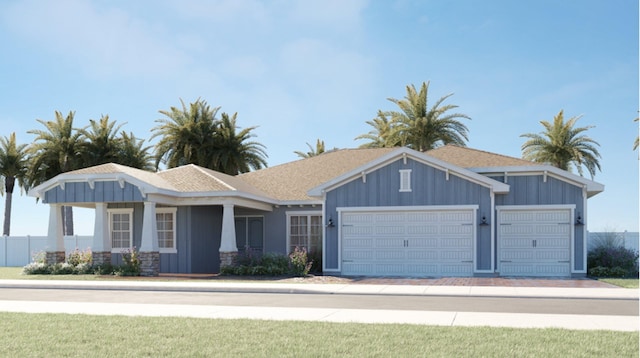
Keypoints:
(166, 224)
(249, 233)
(121, 229)
(405, 179)
(304, 230)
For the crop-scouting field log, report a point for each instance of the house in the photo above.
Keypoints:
(451, 211)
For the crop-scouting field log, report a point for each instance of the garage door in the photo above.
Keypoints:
(534, 242)
(408, 243)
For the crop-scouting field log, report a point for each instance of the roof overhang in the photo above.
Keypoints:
(590, 186)
(407, 153)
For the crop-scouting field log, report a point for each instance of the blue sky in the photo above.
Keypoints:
(302, 70)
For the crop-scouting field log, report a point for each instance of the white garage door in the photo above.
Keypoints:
(408, 243)
(534, 242)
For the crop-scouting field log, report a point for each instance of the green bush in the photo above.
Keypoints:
(251, 263)
(62, 269)
(299, 264)
(36, 268)
(77, 257)
(623, 260)
(130, 264)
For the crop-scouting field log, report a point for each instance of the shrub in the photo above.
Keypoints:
(39, 257)
(252, 263)
(36, 268)
(62, 269)
(130, 263)
(103, 269)
(77, 257)
(616, 272)
(299, 264)
(609, 256)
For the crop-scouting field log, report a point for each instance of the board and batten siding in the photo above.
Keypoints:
(429, 187)
(534, 190)
(103, 191)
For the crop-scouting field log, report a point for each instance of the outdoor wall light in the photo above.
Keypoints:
(330, 222)
(484, 221)
(579, 220)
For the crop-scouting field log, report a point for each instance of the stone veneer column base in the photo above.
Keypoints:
(149, 263)
(100, 258)
(228, 258)
(54, 257)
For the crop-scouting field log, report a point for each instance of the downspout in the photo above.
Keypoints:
(493, 230)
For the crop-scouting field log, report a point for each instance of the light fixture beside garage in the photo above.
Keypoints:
(579, 220)
(330, 222)
(483, 221)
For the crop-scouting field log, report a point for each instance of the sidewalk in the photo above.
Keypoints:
(440, 318)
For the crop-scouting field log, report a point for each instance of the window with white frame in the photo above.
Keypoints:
(405, 179)
(304, 230)
(166, 224)
(121, 229)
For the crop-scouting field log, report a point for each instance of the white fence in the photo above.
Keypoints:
(19, 250)
(630, 240)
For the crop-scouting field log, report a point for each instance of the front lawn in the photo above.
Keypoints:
(56, 335)
(622, 282)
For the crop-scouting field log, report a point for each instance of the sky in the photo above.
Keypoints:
(307, 70)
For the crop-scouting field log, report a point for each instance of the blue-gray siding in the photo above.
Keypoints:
(103, 191)
(430, 187)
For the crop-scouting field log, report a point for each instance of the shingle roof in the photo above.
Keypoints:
(192, 178)
(112, 168)
(474, 158)
(291, 181)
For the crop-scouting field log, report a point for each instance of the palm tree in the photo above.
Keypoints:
(99, 142)
(56, 150)
(187, 135)
(13, 167)
(131, 152)
(563, 145)
(423, 128)
(319, 149)
(233, 152)
(384, 134)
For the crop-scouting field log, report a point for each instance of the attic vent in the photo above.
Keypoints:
(405, 180)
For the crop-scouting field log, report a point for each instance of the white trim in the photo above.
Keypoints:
(408, 208)
(405, 180)
(129, 211)
(585, 234)
(174, 212)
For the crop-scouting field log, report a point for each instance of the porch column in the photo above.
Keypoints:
(55, 237)
(149, 251)
(101, 245)
(228, 248)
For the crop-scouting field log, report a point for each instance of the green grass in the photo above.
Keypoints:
(622, 282)
(56, 335)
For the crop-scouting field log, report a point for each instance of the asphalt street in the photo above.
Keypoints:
(576, 306)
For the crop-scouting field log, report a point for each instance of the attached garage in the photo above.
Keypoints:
(535, 242)
(406, 242)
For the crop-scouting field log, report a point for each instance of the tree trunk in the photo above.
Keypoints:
(9, 183)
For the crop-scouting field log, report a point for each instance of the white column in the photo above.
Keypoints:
(55, 235)
(101, 240)
(149, 228)
(228, 238)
